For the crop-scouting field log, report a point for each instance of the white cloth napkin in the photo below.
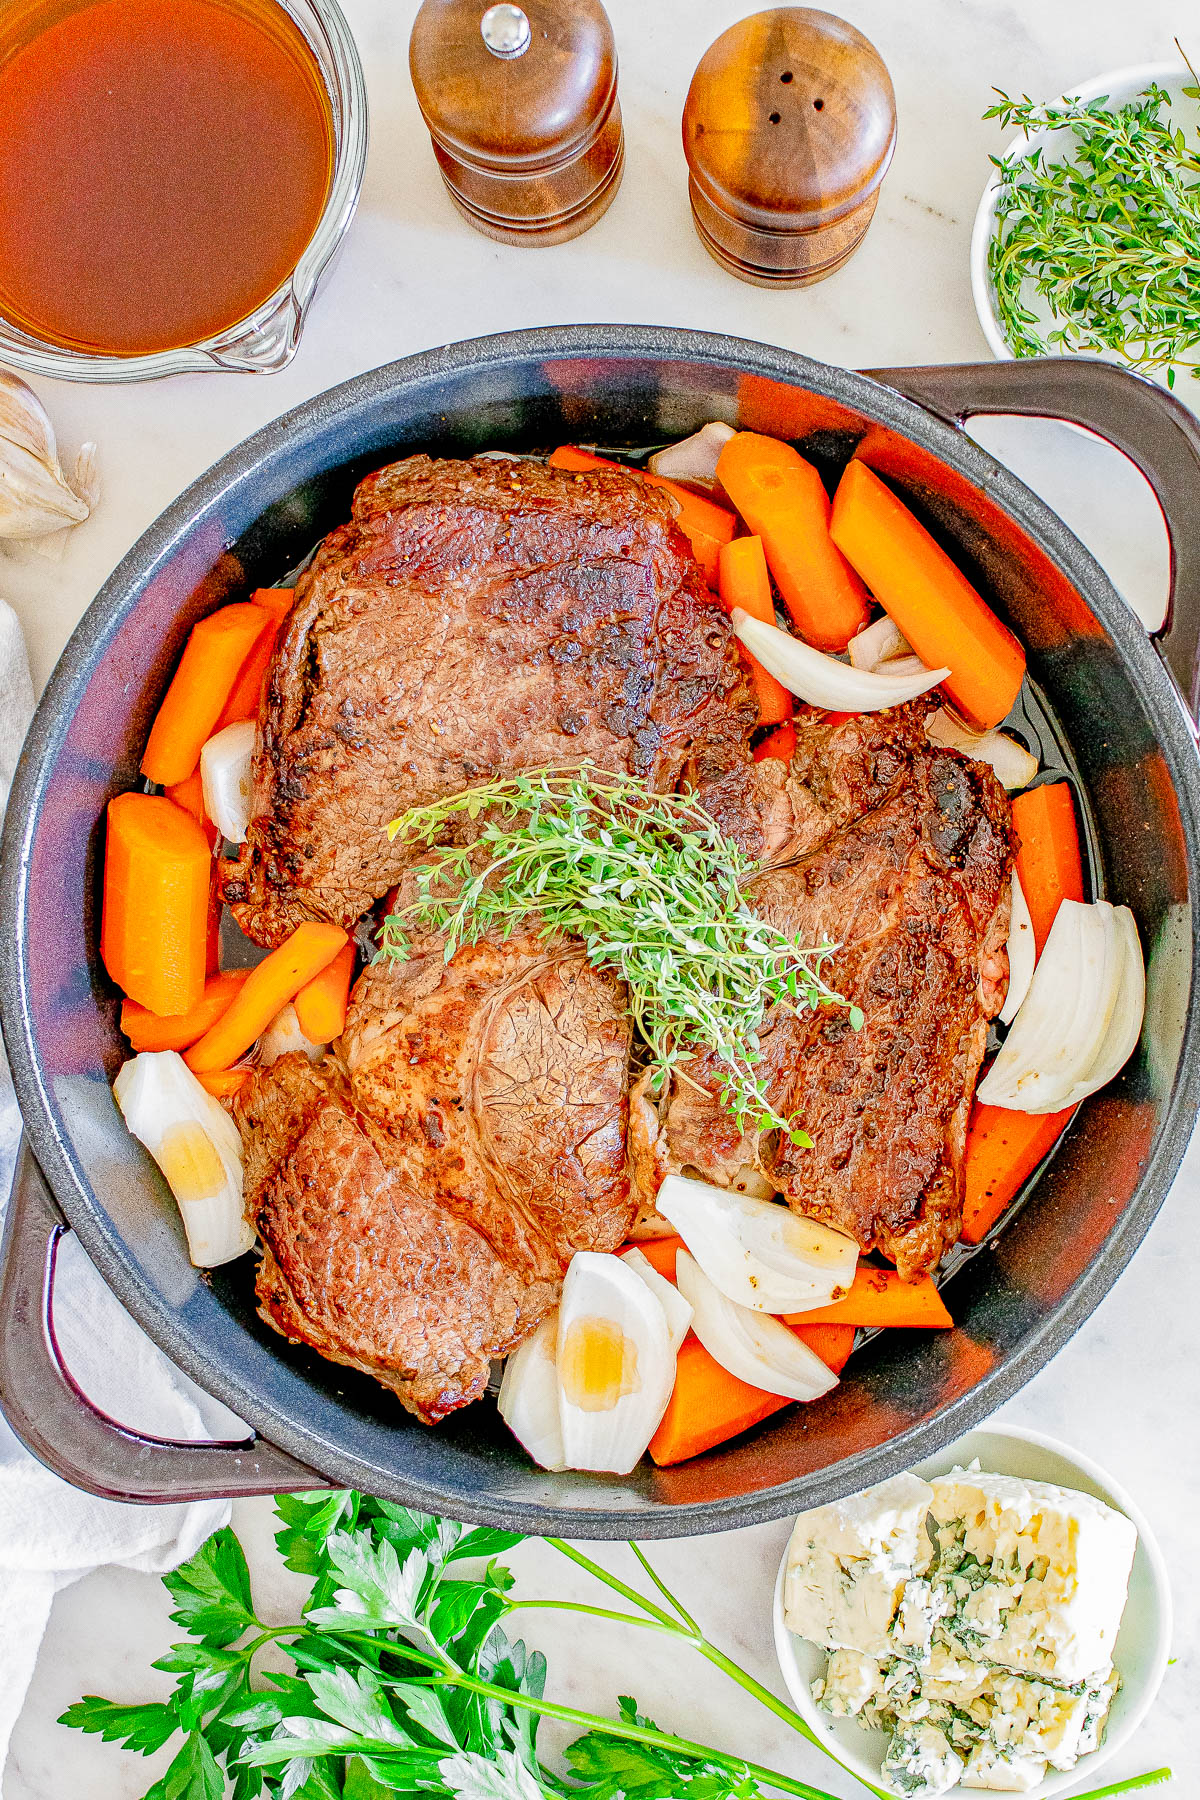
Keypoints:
(50, 1533)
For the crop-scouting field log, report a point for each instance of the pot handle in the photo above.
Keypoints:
(1153, 429)
(57, 1422)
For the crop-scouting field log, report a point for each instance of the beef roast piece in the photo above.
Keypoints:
(359, 1263)
(915, 890)
(418, 1214)
(474, 619)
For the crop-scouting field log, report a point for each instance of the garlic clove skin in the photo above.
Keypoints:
(24, 421)
(36, 498)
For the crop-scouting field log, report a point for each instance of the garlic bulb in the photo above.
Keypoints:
(36, 498)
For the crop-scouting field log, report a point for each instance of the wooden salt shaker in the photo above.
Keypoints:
(788, 130)
(521, 105)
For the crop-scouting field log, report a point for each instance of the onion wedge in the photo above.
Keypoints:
(1012, 764)
(225, 777)
(1078, 1017)
(755, 1349)
(528, 1397)
(693, 458)
(878, 643)
(679, 1313)
(757, 1253)
(822, 680)
(1022, 953)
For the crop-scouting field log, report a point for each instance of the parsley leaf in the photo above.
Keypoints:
(212, 1591)
(145, 1728)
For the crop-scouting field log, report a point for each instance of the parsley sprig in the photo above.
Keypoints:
(1108, 234)
(653, 889)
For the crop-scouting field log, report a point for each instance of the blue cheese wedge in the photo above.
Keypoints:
(1038, 1573)
(848, 1564)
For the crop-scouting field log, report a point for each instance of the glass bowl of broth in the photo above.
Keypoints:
(175, 179)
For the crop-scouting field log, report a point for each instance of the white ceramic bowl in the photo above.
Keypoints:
(1143, 1642)
(1120, 85)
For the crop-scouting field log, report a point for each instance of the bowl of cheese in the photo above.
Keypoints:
(998, 1618)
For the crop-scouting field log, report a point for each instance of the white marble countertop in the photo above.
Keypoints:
(413, 275)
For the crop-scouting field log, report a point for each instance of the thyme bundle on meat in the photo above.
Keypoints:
(653, 889)
(1108, 236)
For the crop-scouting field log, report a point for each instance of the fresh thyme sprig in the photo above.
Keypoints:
(1108, 235)
(653, 889)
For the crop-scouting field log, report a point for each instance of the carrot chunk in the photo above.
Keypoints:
(782, 498)
(245, 699)
(879, 1297)
(190, 795)
(157, 875)
(223, 1082)
(211, 662)
(153, 1031)
(1003, 1150)
(703, 521)
(744, 582)
(832, 1343)
(779, 743)
(276, 980)
(321, 1002)
(1048, 860)
(929, 598)
(661, 1252)
(277, 601)
(708, 1406)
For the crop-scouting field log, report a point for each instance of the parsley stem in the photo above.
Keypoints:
(664, 1590)
(1150, 1779)
(613, 1581)
(595, 1612)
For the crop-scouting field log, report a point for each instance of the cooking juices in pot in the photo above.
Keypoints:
(163, 164)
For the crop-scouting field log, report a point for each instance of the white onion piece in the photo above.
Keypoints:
(756, 1252)
(676, 1308)
(1012, 764)
(1022, 953)
(225, 764)
(283, 1035)
(1075, 1017)
(693, 458)
(752, 1347)
(1125, 1027)
(528, 1397)
(196, 1145)
(616, 1367)
(823, 680)
(878, 643)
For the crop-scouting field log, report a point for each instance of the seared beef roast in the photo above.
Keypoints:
(902, 857)
(473, 619)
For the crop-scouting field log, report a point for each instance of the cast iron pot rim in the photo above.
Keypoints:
(154, 549)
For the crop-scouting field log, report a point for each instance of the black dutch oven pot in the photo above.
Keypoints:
(1117, 697)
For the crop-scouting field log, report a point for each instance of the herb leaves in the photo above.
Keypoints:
(653, 889)
(1108, 236)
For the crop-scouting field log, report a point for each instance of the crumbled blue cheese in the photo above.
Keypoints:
(848, 1564)
(972, 1619)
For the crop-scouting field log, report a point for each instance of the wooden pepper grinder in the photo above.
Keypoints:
(521, 104)
(788, 130)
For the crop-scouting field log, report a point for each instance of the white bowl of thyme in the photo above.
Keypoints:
(1087, 238)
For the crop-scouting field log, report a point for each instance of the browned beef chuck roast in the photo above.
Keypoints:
(906, 863)
(474, 618)
(418, 1216)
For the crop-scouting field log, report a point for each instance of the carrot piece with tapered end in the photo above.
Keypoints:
(782, 498)
(211, 662)
(928, 597)
(321, 1002)
(744, 582)
(157, 877)
(1003, 1150)
(245, 699)
(701, 520)
(708, 1406)
(780, 743)
(153, 1031)
(276, 980)
(832, 1343)
(661, 1252)
(879, 1297)
(223, 1082)
(277, 601)
(1048, 861)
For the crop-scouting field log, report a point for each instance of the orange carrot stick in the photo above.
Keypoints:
(661, 1252)
(1048, 860)
(276, 980)
(190, 795)
(1003, 1150)
(245, 699)
(157, 875)
(779, 743)
(782, 499)
(832, 1343)
(277, 601)
(321, 1002)
(879, 1297)
(212, 659)
(223, 1082)
(708, 1405)
(928, 597)
(703, 521)
(153, 1031)
(744, 582)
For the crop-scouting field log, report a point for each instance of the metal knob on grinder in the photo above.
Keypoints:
(788, 130)
(521, 105)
